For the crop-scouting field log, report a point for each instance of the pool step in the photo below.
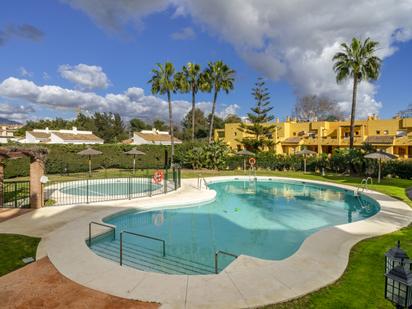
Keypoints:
(150, 260)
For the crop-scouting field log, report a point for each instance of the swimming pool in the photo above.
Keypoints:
(102, 187)
(267, 219)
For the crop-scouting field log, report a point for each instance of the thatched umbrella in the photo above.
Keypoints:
(134, 152)
(89, 152)
(380, 155)
(305, 152)
(245, 153)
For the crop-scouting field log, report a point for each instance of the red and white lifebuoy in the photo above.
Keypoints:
(158, 177)
(252, 161)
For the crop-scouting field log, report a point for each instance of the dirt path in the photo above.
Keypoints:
(40, 285)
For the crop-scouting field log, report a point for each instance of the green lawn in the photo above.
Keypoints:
(13, 248)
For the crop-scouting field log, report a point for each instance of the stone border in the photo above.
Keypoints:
(246, 282)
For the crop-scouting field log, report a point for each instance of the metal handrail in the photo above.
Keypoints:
(363, 185)
(101, 224)
(217, 258)
(199, 182)
(139, 235)
(369, 178)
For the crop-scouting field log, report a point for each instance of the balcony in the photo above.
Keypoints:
(357, 140)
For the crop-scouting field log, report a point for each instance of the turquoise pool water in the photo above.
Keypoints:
(264, 219)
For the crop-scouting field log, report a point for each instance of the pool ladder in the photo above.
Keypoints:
(364, 185)
(201, 180)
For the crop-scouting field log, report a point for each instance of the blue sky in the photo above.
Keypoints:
(73, 34)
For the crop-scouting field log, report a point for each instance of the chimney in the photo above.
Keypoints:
(47, 129)
(74, 130)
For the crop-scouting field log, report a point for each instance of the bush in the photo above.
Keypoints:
(398, 168)
(203, 155)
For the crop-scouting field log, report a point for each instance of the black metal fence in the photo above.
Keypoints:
(15, 194)
(125, 185)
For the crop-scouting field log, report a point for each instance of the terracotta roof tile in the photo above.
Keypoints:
(375, 139)
(39, 135)
(292, 140)
(77, 137)
(154, 137)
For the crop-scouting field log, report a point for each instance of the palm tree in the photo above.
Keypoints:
(218, 76)
(190, 80)
(359, 62)
(163, 83)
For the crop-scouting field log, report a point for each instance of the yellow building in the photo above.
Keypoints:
(391, 135)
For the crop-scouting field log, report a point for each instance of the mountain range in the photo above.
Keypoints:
(8, 121)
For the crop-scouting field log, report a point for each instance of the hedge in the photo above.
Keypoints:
(64, 158)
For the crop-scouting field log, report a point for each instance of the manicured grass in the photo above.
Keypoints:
(362, 285)
(13, 248)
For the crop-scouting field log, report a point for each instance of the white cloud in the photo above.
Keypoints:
(186, 33)
(24, 72)
(296, 40)
(15, 112)
(85, 76)
(292, 40)
(131, 103)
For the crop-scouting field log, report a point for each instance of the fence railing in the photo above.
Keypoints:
(92, 190)
(15, 194)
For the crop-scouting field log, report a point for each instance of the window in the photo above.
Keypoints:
(378, 132)
(239, 148)
(294, 133)
(357, 133)
(346, 134)
(386, 132)
(235, 133)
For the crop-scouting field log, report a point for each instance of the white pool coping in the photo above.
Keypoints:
(246, 282)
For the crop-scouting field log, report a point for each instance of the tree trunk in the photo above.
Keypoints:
(193, 114)
(212, 117)
(172, 139)
(352, 114)
(1, 182)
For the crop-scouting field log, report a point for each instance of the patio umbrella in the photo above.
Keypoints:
(134, 152)
(89, 152)
(245, 153)
(305, 152)
(380, 155)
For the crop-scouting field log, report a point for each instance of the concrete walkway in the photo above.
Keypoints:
(247, 282)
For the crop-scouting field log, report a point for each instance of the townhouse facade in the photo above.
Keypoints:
(391, 135)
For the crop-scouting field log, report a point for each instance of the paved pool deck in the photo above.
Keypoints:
(247, 282)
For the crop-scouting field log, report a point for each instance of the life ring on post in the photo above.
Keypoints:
(158, 177)
(252, 161)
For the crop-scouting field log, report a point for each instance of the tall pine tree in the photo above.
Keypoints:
(259, 117)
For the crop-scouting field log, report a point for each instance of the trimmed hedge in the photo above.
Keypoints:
(63, 157)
